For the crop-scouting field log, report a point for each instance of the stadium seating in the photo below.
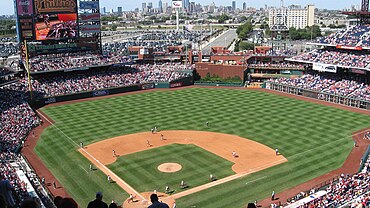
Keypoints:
(344, 88)
(340, 58)
(352, 36)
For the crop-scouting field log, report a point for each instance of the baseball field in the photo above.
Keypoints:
(312, 139)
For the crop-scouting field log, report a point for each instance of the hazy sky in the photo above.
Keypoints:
(8, 8)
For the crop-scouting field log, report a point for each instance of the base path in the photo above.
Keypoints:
(252, 156)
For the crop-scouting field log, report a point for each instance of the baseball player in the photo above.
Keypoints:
(131, 198)
(234, 154)
(167, 190)
(109, 179)
(276, 151)
(148, 143)
(162, 138)
(114, 153)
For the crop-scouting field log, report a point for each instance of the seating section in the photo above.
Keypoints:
(346, 88)
(340, 58)
(352, 36)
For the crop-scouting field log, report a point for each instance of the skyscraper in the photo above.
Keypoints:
(186, 4)
(244, 6)
(233, 3)
(143, 6)
(150, 5)
(119, 10)
(160, 6)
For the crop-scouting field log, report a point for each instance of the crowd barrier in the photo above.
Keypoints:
(338, 99)
(364, 158)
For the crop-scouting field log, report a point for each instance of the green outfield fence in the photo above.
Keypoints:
(353, 102)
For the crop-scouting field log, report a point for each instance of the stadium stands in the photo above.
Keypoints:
(75, 60)
(317, 83)
(82, 82)
(352, 36)
(340, 58)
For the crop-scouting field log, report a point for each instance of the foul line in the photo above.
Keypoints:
(92, 157)
(225, 180)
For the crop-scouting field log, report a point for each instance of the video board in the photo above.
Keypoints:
(56, 26)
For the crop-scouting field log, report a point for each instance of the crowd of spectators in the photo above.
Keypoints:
(345, 88)
(340, 58)
(82, 82)
(17, 119)
(352, 36)
(8, 47)
(73, 60)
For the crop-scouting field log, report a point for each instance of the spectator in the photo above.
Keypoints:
(98, 202)
(156, 203)
(7, 190)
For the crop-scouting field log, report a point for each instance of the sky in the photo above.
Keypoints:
(7, 7)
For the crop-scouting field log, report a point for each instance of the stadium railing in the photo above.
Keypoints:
(223, 84)
(333, 98)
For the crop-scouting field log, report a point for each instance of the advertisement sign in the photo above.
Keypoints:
(24, 7)
(324, 67)
(100, 93)
(26, 28)
(56, 26)
(55, 6)
(176, 84)
(61, 48)
(144, 51)
(176, 4)
(90, 17)
(356, 48)
(89, 5)
(90, 28)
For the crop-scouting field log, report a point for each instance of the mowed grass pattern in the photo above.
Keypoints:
(140, 169)
(314, 138)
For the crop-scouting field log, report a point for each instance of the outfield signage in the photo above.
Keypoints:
(324, 67)
(55, 6)
(25, 25)
(89, 5)
(356, 48)
(176, 4)
(24, 7)
(90, 17)
(100, 93)
(176, 84)
(90, 28)
(51, 47)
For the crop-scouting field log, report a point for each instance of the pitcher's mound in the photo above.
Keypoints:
(169, 167)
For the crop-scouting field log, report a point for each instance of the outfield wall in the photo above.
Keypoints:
(353, 102)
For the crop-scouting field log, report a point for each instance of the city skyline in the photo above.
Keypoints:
(8, 7)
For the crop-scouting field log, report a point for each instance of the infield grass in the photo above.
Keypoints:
(314, 138)
(141, 172)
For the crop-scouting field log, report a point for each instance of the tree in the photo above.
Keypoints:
(223, 18)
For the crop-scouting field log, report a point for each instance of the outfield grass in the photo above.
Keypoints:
(314, 138)
(141, 172)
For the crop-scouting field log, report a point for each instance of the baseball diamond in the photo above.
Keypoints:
(315, 139)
